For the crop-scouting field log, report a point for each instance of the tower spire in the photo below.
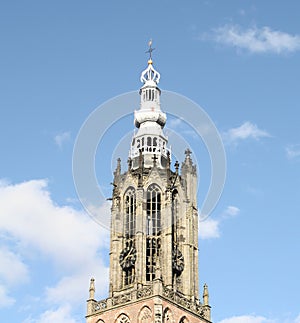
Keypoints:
(150, 120)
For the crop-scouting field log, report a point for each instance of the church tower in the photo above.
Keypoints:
(154, 229)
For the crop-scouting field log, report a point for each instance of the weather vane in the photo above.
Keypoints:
(150, 50)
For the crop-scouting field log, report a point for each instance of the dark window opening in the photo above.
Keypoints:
(153, 230)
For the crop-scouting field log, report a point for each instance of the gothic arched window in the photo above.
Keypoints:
(174, 216)
(130, 206)
(153, 241)
(129, 236)
(122, 319)
(153, 210)
(145, 315)
(168, 316)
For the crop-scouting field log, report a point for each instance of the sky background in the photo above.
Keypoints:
(238, 60)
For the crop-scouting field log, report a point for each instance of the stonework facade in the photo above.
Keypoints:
(154, 229)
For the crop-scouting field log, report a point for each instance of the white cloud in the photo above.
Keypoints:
(68, 239)
(245, 131)
(62, 138)
(5, 300)
(246, 319)
(66, 235)
(297, 319)
(258, 319)
(12, 272)
(209, 228)
(61, 314)
(175, 123)
(12, 269)
(231, 211)
(257, 40)
(293, 151)
(68, 289)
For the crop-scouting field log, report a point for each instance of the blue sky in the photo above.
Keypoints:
(238, 60)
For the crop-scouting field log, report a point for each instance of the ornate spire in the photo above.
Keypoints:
(149, 140)
(150, 75)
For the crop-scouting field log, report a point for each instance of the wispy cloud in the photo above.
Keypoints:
(60, 314)
(293, 151)
(247, 130)
(252, 318)
(256, 40)
(175, 123)
(13, 272)
(5, 299)
(210, 228)
(62, 138)
(231, 211)
(247, 319)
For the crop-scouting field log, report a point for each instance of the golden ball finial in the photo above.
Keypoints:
(149, 61)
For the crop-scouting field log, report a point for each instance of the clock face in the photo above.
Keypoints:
(127, 258)
(177, 261)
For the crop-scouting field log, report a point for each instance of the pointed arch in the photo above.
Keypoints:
(130, 212)
(145, 315)
(168, 316)
(154, 210)
(153, 241)
(122, 318)
(184, 320)
(129, 224)
(175, 212)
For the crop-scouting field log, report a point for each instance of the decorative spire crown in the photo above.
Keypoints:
(150, 74)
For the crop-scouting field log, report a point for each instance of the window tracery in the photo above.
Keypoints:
(122, 319)
(128, 255)
(168, 316)
(145, 315)
(153, 242)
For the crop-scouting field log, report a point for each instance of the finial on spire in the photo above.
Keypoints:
(188, 153)
(118, 168)
(205, 295)
(92, 288)
(150, 50)
(176, 166)
(150, 74)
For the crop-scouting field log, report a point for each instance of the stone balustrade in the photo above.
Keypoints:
(145, 292)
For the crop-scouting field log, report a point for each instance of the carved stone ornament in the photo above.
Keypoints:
(127, 258)
(177, 261)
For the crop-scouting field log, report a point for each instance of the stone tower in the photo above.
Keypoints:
(154, 229)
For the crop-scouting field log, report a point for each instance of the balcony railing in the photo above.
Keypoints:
(141, 293)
